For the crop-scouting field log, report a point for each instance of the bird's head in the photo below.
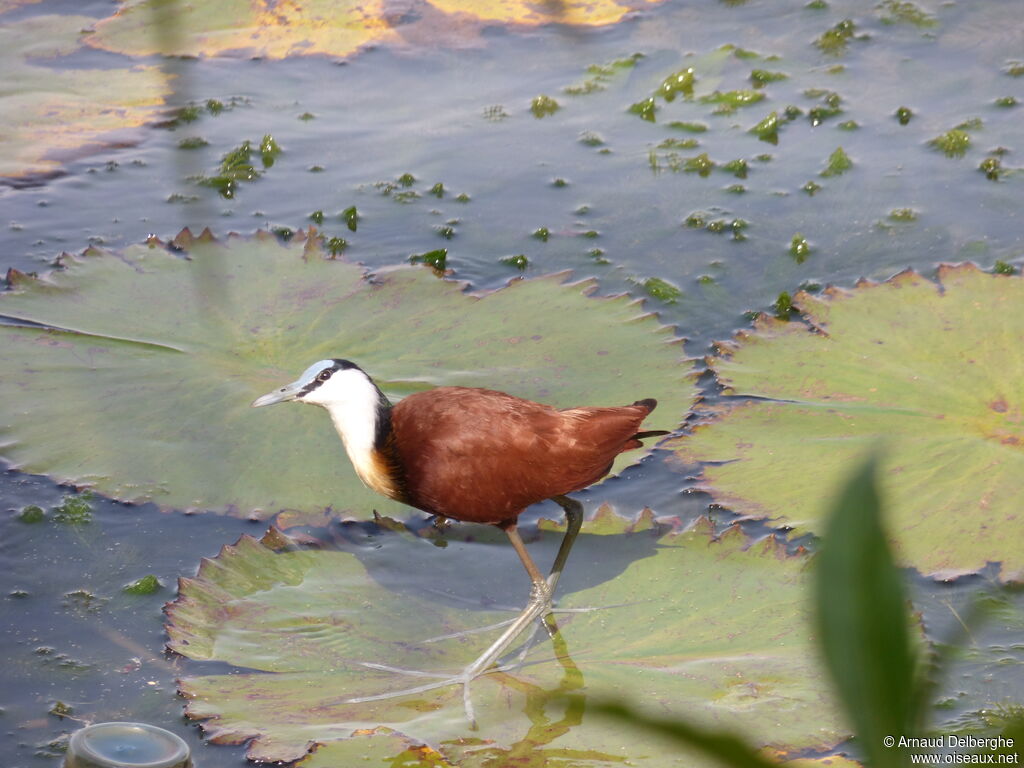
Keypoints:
(360, 412)
(327, 383)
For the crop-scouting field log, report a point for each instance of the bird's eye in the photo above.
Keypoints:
(324, 375)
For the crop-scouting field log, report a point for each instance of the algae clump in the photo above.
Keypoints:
(838, 163)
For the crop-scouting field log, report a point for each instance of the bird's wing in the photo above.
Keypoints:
(484, 456)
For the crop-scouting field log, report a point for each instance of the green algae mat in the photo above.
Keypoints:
(711, 628)
(137, 374)
(930, 370)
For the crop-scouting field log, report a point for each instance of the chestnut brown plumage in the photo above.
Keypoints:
(482, 456)
(474, 455)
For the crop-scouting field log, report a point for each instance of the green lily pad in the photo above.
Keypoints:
(10, 5)
(50, 114)
(301, 624)
(140, 380)
(578, 12)
(275, 30)
(253, 27)
(929, 368)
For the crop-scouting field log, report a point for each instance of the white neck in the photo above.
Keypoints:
(358, 431)
(352, 400)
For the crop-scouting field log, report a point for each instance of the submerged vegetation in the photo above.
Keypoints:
(73, 510)
(728, 102)
(662, 290)
(768, 129)
(542, 106)
(953, 143)
(599, 75)
(834, 41)
(680, 82)
(237, 166)
(646, 109)
(905, 12)
(838, 164)
(146, 585)
(799, 248)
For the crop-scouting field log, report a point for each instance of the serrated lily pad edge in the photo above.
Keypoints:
(705, 415)
(178, 247)
(608, 521)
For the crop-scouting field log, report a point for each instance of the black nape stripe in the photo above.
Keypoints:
(383, 426)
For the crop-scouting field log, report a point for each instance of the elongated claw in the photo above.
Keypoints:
(468, 632)
(539, 607)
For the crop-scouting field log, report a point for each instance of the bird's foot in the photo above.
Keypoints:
(467, 632)
(464, 679)
(538, 607)
(555, 609)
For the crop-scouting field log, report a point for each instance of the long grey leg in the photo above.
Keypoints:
(538, 607)
(573, 521)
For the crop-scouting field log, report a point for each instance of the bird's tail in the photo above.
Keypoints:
(650, 404)
(650, 433)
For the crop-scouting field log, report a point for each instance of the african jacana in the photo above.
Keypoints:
(473, 455)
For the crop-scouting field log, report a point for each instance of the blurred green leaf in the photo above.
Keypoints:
(723, 746)
(862, 619)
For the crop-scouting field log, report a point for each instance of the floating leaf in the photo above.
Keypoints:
(10, 5)
(579, 12)
(251, 27)
(930, 368)
(276, 30)
(140, 381)
(51, 114)
(300, 622)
